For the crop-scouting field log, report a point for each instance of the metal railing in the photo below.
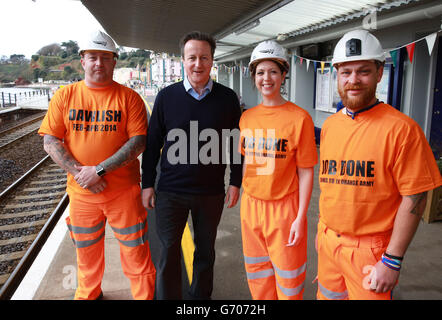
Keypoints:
(8, 99)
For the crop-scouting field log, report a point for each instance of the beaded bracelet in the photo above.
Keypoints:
(392, 263)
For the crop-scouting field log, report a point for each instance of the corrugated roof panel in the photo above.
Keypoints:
(244, 38)
(159, 24)
(300, 14)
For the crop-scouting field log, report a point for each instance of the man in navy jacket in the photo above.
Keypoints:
(188, 129)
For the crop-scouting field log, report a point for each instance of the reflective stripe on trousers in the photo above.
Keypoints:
(332, 295)
(283, 274)
(345, 262)
(274, 270)
(85, 230)
(130, 230)
(128, 219)
(120, 231)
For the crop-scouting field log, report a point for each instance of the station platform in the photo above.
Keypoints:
(53, 273)
(52, 276)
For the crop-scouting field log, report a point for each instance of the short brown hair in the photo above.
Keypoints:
(197, 35)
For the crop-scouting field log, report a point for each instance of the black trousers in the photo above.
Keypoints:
(171, 213)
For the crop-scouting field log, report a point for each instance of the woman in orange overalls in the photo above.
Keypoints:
(278, 142)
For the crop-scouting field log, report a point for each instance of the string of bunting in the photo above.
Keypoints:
(430, 39)
(231, 69)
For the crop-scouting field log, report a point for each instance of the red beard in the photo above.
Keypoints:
(360, 101)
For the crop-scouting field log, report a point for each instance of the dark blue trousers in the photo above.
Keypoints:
(171, 213)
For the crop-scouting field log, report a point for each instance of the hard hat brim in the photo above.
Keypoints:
(357, 58)
(283, 62)
(84, 51)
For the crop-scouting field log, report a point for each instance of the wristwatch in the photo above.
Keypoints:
(100, 170)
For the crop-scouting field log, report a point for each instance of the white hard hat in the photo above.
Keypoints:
(358, 45)
(269, 50)
(99, 41)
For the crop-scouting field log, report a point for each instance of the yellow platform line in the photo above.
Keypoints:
(147, 104)
(187, 245)
(188, 248)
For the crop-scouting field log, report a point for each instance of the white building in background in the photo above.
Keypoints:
(166, 69)
(123, 75)
(161, 71)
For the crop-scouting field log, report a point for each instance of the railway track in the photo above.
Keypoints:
(11, 135)
(26, 208)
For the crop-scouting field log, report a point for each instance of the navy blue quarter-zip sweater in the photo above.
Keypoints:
(175, 126)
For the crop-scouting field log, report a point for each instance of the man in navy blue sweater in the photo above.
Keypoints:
(189, 122)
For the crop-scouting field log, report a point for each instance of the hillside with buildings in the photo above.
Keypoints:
(61, 62)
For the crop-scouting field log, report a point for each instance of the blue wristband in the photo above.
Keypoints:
(394, 264)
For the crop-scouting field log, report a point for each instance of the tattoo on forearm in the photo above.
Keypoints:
(419, 201)
(58, 152)
(127, 153)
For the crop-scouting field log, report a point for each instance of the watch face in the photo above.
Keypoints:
(100, 171)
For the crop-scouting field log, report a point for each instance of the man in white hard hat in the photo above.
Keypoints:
(376, 169)
(95, 129)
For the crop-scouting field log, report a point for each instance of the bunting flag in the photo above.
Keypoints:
(431, 39)
(393, 54)
(410, 50)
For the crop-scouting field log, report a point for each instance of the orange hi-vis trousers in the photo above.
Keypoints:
(274, 270)
(128, 219)
(345, 263)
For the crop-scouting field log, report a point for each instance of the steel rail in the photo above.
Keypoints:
(23, 177)
(14, 280)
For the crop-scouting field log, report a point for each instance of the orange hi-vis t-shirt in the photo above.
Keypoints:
(94, 124)
(275, 140)
(367, 165)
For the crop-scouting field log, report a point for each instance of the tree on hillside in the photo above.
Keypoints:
(140, 53)
(71, 47)
(17, 58)
(50, 50)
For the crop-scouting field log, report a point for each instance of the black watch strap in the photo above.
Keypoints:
(100, 170)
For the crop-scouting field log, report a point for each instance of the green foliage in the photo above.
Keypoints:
(61, 62)
(133, 58)
(70, 47)
(10, 72)
(49, 61)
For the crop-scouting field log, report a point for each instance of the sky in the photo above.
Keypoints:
(26, 25)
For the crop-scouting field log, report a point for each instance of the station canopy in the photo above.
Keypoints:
(158, 25)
